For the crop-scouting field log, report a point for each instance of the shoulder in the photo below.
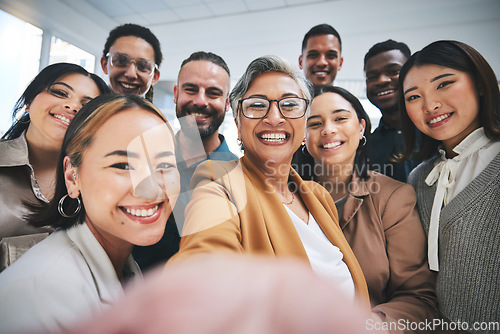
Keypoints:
(419, 173)
(214, 169)
(383, 188)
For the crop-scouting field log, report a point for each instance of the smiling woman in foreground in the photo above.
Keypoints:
(260, 204)
(117, 182)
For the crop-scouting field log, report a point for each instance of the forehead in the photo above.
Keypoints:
(203, 73)
(122, 128)
(327, 102)
(134, 47)
(273, 85)
(424, 74)
(384, 59)
(322, 42)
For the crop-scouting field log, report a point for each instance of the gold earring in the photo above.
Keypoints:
(304, 141)
(238, 141)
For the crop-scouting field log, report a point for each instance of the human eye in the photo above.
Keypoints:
(144, 66)
(122, 166)
(332, 55)
(393, 72)
(121, 60)
(313, 124)
(256, 104)
(191, 89)
(413, 97)
(444, 84)
(58, 92)
(214, 93)
(312, 55)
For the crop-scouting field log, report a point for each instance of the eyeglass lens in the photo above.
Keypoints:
(257, 108)
(123, 61)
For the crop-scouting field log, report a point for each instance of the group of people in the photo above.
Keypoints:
(98, 176)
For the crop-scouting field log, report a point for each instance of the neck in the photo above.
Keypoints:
(277, 176)
(117, 253)
(335, 178)
(191, 150)
(392, 117)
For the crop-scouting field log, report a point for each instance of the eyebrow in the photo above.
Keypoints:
(123, 153)
(333, 112)
(262, 96)
(432, 80)
(70, 88)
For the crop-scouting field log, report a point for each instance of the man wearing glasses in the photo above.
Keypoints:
(131, 58)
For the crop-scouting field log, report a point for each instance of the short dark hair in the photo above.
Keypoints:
(388, 45)
(304, 162)
(131, 29)
(41, 82)
(321, 29)
(208, 56)
(464, 58)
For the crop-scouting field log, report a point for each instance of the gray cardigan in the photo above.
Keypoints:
(468, 282)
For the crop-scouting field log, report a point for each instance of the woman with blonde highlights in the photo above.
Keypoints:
(117, 182)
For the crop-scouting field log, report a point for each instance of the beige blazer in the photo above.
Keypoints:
(233, 208)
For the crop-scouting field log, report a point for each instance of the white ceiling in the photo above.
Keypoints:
(241, 30)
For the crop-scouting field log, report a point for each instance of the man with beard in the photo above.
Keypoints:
(201, 96)
(131, 58)
(382, 64)
(321, 57)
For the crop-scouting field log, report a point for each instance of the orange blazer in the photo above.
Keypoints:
(233, 208)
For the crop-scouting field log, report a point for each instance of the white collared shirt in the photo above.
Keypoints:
(474, 154)
(326, 259)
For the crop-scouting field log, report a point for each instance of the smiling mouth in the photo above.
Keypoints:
(385, 92)
(141, 213)
(439, 118)
(274, 137)
(129, 86)
(62, 118)
(331, 144)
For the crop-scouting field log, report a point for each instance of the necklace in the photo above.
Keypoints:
(288, 203)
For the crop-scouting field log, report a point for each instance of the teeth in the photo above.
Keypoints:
(142, 212)
(62, 118)
(273, 137)
(198, 115)
(390, 91)
(440, 118)
(332, 144)
(128, 86)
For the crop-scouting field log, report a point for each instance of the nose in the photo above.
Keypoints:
(322, 61)
(200, 99)
(329, 128)
(431, 104)
(274, 116)
(149, 188)
(131, 71)
(383, 79)
(72, 105)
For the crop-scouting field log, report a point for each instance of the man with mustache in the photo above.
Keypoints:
(321, 56)
(382, 64)
(201, 96)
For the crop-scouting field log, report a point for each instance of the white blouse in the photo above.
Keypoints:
(475, 152)
(326, 259)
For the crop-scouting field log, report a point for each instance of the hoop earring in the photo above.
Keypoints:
(364, 140)
(61, 209)
(239, 142)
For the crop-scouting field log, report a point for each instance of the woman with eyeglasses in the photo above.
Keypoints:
(115, 188)
(260, 205)
(29, 149)
(377, 214)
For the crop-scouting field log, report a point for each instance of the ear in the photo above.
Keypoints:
(176, 93)
(362, 126)
(226, 108)
(71, 178)
(156, 77)
(300, 61)
(237, 126)
(104, 64)
(341, 61)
